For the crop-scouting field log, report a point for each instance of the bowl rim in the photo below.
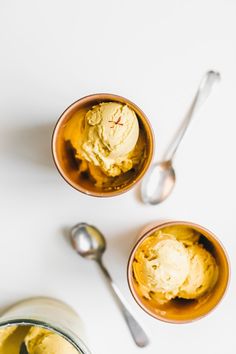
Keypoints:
(147, 233)
(98, 96)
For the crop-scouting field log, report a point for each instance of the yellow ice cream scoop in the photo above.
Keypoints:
(40, 341)
(161, 269)
(171, 263)
(187, 235)
(37, 340)
(5, 333)
(203, 273)
(105, 136)
(11, 338)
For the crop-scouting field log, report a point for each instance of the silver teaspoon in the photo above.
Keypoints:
(89, 243)
(160, 179)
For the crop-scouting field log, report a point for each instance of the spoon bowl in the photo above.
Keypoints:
(160, 179)
(88, 241)
(159, 183)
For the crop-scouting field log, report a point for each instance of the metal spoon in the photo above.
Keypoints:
(89, 243)
(160, 179)
(23, 349)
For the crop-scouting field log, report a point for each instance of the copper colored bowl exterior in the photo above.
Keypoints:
(57, 143)
(192, 310)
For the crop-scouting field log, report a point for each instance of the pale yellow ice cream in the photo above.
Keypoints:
(11, 338)
(187, 235)
(161, 269)
(203, 273)
(38, 341)
(5, 333)
(105, 137)
(170, 263)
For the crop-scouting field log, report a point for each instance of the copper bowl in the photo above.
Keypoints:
(184, 311)
(64, 161)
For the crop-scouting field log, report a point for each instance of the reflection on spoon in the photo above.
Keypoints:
(160, 179)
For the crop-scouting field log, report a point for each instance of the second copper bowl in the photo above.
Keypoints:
(190, 310)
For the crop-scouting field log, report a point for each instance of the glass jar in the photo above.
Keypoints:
(50, 314)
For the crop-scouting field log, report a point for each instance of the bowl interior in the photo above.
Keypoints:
(64, 155)
(180, 310)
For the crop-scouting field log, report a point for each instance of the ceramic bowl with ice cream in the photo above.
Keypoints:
(178, 271)
(102, 145)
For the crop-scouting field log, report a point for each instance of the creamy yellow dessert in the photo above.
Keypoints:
(203, 273)
(106, 140)
(172, 263)
(37, 340)
(40, 340)
(5, 333)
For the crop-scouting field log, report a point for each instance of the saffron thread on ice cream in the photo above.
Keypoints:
(108, 143)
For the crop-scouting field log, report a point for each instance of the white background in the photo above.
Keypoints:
(154, 53)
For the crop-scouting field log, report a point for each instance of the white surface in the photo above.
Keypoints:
(154, 53)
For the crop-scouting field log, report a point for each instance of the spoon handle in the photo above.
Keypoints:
(23, 349)
(209, 79)
(138, 334)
